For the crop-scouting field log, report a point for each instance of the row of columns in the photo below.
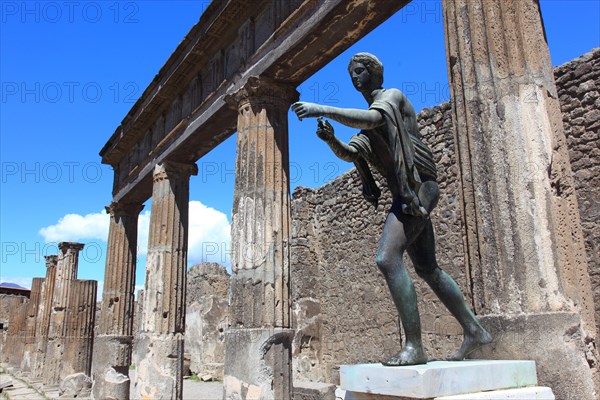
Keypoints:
(51, 335)
(259, 340)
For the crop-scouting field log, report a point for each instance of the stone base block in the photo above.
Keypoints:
(112, 357)
(437, 378)
(529, 393)
(313, 391)
(159, 372)
(555, 341)
(258, 364)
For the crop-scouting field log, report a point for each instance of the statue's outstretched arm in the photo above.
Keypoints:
(354, 118)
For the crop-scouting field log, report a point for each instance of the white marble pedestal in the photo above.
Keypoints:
(443, 380)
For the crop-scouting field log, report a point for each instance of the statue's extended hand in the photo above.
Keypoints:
(307, 110)
(324, 129)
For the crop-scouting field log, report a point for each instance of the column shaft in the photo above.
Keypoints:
(113, 343)
(30, 332)
(163, 316)
(523, 242)
(79, 332)
(43, 320)
(260, 298)
(66, 273)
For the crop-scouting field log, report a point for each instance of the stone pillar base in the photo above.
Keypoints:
(261, 368)
(158, 374)
(554, 341)
(112, 356)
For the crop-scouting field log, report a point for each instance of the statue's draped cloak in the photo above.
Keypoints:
(396, 144)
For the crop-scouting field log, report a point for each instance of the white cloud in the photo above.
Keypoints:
(74, 227)
(209, 235)
(209, 232)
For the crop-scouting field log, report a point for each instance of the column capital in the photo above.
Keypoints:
(262, 90)
(65, 246)
(171, 169)
(121, 208)
(51, 261)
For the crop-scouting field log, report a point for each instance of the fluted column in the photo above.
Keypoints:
(159, 375)
(523, 241)
(66, 273)
(16, 329)
(79, 332)
(114, 340)
(260, 233)
(45, 309)
(30, 332)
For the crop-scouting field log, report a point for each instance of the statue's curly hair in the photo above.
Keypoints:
(373, 65)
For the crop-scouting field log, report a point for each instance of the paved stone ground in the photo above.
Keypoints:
(24, 388)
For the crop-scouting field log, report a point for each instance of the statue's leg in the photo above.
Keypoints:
(422, 254)
(389, 260)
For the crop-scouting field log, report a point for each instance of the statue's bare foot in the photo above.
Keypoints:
(471, 342)
(407, 356)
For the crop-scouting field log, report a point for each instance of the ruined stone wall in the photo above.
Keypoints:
(342, 308)
(578, 84)
(206, 318)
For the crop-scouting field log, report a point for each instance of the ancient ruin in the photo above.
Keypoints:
(509, 223)
(51, 335)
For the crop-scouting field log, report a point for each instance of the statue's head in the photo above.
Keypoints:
(366, 72)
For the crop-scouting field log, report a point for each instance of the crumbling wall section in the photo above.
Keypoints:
(578, 84)
(206, 319)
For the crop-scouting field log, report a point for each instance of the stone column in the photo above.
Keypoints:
(523, 242)
(258, 344)
(114, 339)
(30, 332)
(159, 373)
(66, 273)
(43, 320)
(16, 329)
(79, 332)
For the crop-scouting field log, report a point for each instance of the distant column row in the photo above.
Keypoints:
(51, 335)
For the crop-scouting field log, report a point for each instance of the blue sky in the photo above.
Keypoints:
(70, 71)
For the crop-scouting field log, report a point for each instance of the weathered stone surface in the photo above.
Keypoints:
(253, 358)
(554, 341)
(112, 352)
(45, 310)
(159, 369)
(75, 385)
(525, 251)
(582, 140)
(160, 343)
(79, 332)
(206, 320)
(260, 237)
(29, 332)
(313, 391)
(66, 273)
